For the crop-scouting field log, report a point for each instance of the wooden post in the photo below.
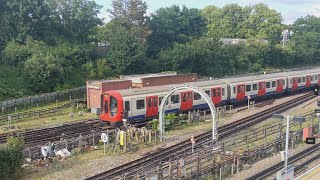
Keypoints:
(150, 137)
(136, 132)
(247, 142)
(170, 170)
(155, 136)
(222, 146)
(189, 117)
(204, 115)
(198, 167)
(124, 141)
(265, 137)
(159, 172)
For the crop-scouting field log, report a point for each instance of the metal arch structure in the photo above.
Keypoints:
(199, 91)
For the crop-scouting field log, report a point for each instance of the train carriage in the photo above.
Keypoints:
(302, 79)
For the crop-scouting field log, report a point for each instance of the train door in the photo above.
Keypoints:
(105, 105)
(216, 95)
(241, 92)
(152, 106)
(186, 100)
(295, 83)
(280, 83)
(308, 81)
(262, 88)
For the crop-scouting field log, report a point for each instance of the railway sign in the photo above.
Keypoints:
(311, 140)
(104, 137)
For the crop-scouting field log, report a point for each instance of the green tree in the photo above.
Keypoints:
(75, 19)
(131, 14)
(174, 25)
(44, 72)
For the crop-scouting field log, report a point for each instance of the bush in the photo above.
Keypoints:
(11, 159)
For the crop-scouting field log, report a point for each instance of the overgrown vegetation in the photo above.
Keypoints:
(11, 159)
(51, 45)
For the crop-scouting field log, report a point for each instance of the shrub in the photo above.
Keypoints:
(11, 159)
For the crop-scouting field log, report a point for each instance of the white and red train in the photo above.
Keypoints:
(142, 103)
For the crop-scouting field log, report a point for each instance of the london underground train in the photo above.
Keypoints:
(143, 103)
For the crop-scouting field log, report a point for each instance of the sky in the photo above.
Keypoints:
(290, 9)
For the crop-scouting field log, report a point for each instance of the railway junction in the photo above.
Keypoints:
(241, 143)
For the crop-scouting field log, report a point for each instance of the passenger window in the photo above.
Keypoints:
(222, 91)
(267, 85)
(160, 101)
(261, 86)
(254, 87)
(219, 92)
(242, 88)
(291, 81)
(274, 84)
(248, 88)
(213, 92)
(208, 92)
(304, 79)
(127, 105)
(154, 102)
(239, 90)
(140, 104)
(234, 90)
(196, 96)
(189, 96)
(312, 78)
(316, 77)
(299, 80)
(175, 99)
(149, 102)
(184, 97)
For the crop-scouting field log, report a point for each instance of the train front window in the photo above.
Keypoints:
(106, 107)
(113, 106)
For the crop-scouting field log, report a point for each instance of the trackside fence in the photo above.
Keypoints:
(33, 101)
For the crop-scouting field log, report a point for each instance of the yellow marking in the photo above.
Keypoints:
(309, 175)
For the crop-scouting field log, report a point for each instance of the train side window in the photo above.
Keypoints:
(184, 97)
(312, 78)
(248, 88)
(175, 99)
(160, 101)
(254, 87)
(214, 93)
(208, 92)
(219, 92)
(299, 80)
(234, 90)
(274, 84)
(291, 81)
(242, 88)
(268, 85)
(155, 102)
(303, 79)
(140, 104)
(222, 91)
(196, 96)
(127, 105)
(189, 96)
(316, 77)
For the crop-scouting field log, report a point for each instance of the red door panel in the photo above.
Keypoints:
(295, 83)
(241, 92)
(280, 83)
(186, 100)
(308, 83)
(262, 88)
(155, 106)
(216, 95)
(319, 79)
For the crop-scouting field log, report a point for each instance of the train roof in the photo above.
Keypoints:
(165, 88)
(214, 82)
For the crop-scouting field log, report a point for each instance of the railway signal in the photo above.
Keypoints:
(192, 140)
(316, 90)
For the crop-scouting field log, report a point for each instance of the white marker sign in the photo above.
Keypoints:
(104, 137)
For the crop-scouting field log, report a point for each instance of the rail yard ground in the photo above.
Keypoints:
(93, 162)
(45, 121)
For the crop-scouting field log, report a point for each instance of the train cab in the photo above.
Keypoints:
(112, 108)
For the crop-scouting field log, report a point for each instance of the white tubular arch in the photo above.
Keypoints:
(203, 94)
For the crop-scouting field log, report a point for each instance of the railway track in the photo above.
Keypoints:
(291, 160)
(177, 150)
(41, 136)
